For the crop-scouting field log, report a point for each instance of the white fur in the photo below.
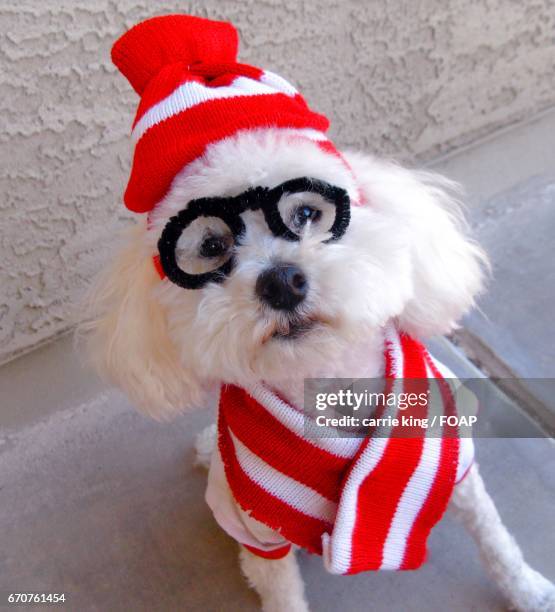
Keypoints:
(279, 582)
(127, 333)
(524, 588)
(205, 443)
(405, 256)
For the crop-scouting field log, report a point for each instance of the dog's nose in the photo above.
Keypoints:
(282, 286)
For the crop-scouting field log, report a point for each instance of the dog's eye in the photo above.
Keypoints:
(215, 246)
(306, 213)
(303, 214)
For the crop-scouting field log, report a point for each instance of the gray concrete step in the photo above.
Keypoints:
(105, 505)
(511, 188)
(517, 228)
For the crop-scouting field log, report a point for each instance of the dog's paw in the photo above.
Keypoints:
(547, 600)
(205, 443)
(536, 593)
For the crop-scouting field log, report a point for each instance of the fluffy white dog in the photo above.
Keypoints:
(404, 258)
(246, 293)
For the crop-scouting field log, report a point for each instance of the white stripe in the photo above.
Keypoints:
(466, 458)
(443, 369)
(337, 557)
(466, 444)
(294, 420)
(337, 550)
(277, 82)
(310, 133)
(193, 93)
(414, 496)
(393, 345)
(418, 488)
(293, 493)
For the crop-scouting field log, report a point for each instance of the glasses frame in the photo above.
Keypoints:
(229, 210)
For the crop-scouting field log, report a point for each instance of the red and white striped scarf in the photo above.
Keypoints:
(364, 504)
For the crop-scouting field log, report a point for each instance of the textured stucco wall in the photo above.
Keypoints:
(403, 78)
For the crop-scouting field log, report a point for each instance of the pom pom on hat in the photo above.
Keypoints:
(194, 93)
(151, 45)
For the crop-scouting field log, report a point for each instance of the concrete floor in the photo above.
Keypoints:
(105, 505)
(510, 181)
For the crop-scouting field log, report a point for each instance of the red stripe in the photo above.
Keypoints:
(267, 437)
(378, 497)
(277, 553)
(433, 508)
(413, 361)
(299, 528)
(177, 141)
(438, 497)
(389, 365)
(328, 147)
(389, 370)
(158, 266)
(379, 493)
(221, 74)
(223, 80)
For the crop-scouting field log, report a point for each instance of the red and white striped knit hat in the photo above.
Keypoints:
(194, 93)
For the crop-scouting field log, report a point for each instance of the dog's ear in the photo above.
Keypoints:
(448, 268)
(126, 334)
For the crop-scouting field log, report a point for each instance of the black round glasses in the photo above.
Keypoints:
(197, 246)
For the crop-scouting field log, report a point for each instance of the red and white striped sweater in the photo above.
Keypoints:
(365, 504)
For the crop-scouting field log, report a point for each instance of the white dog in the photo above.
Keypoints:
(281, 310)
